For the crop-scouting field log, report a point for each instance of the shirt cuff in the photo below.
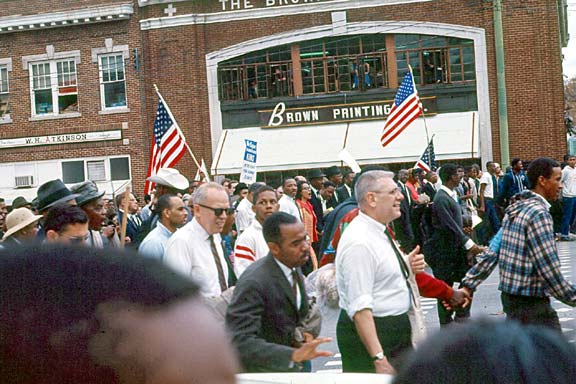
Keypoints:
(360, 303)
(469, 244)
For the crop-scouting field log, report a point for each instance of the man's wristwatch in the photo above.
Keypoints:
(378, 356)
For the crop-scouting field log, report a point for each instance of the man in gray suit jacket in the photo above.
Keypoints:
(270, 301)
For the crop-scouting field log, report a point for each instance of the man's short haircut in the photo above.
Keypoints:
(447, 171)
(417, 171)
(368, 182)
(542, 166)
(567, 156)
(498, 352)
(328, 184)
(164, 202)
(265, 188)
(428, 176)
(271, 227)
(119, 199)
(201, 194)
(287, 180)
(50, 296)
(62, 215)
(255, 187)
(225, 181)
(488, 164)
(515, 161)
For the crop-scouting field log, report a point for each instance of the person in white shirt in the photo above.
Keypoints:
(287, 202)
(372, 280)
(568, 197)
(196, 249)
(250, 245)
(486, 195)
(244, 213)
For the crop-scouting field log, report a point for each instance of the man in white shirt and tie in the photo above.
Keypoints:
(287, 202)
(372, 278)
(196, 249)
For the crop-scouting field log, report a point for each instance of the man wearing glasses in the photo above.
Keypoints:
(66, 224)
(196, 249)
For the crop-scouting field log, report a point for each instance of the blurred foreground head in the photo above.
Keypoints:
(83, 315)
(492, 352)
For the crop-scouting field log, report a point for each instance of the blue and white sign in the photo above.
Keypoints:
(248, 174)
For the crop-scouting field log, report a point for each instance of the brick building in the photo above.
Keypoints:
(303, 78)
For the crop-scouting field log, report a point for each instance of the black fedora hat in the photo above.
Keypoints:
(316, 174)
(20, 202)
(333, 171)
(53, 192)
(87, 191)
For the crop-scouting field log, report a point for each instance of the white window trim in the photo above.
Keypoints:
(6, 63)
(107, 170)
(103, 108)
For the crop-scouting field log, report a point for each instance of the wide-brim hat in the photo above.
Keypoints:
(87, 191)
(333, 171)
(53, 192)
(170, 177)
(20, 202)
(18, 219)
(316, 174)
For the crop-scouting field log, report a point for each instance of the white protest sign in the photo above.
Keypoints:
(248, 174)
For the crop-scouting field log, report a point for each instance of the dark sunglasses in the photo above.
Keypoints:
(219, 211)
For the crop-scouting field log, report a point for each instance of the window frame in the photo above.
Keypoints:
(5, 68)
(53, 76)
(102, 83)
(107, 167)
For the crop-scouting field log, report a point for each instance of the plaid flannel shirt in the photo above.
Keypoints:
(528, 258)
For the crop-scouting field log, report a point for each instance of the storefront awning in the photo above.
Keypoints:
(307, 147)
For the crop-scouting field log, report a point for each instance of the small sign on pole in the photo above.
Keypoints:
(248, 174)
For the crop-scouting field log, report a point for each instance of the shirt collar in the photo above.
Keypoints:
(256, 224)
(373, 223)
(196, 227)
(163, 228)
(450, 192)
(285, 269)
(546, 203)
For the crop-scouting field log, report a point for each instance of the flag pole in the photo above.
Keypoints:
(423, 116)
(177, 126)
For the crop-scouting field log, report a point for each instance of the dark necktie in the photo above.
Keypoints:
(221, 277)
(403, 266)
(295, 278)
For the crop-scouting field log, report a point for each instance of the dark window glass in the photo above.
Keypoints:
(73, 172)
(120, 168)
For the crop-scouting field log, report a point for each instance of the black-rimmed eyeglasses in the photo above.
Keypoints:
(219, 211)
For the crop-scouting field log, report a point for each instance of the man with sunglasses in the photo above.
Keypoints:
(196, 249)
(66, 224)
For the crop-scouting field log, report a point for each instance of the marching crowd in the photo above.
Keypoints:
(245, 251)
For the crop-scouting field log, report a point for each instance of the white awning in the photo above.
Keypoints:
(308, 147)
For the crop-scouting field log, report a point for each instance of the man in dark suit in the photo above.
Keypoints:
(316, 178)
(429, 187)
(402, 225)
(446, 249)
(347, 189)
(133, 221)
(270, 301)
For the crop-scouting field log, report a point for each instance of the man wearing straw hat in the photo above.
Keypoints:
(22, 227)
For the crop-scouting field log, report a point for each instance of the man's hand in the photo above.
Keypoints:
(461, 298)
(308, 350)
(416, 259)
(476, 250)
(384, 366)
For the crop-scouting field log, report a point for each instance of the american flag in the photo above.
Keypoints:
(169, 145)
(405, 110)
(427, 161)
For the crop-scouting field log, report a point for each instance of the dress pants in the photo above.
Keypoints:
(394, 333)
(530, 310)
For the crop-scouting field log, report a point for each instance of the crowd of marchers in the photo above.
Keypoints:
(242, 253)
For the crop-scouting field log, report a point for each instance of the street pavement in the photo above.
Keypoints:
(486, 304)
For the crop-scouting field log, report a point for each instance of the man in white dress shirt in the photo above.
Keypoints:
(196, 249)
(287, 202)
(244, 213)
(250, 245)
(371, 274)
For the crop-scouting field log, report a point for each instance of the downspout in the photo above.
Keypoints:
(501, 81)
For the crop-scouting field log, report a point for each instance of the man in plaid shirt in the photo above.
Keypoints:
(527, 257)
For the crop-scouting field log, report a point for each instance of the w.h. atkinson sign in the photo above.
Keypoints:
(281, 116)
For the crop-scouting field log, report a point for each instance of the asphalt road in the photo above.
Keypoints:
(486, 304)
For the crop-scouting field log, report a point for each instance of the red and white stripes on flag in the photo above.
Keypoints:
(168, 143)
(405, 110)
(243, 252)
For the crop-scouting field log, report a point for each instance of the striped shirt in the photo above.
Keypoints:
(528, 258)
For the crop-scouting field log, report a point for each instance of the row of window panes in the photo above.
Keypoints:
(362, 66)
(77, 171)
(47, 98)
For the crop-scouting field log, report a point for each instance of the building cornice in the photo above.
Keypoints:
(259, 13)
(89, 15)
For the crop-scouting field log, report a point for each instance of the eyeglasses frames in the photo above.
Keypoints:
(219, 211)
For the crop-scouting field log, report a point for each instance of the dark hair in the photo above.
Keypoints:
(286, 180)
(567, 156)
(254, 187)
(265, 188)
(488, 163)
(50, 295)
(299, 189)
(515, 161)
(163, 203)
(271, 226)
(542, 166)
(327, 184)
(491, 352)
(147, 198)
(447, 171)
(62, 215)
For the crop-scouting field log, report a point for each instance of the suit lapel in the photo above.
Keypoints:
(282, 281)
(304, 303)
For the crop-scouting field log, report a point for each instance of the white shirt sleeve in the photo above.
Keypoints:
(175, 256)
(358, 280)
(244, 253)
